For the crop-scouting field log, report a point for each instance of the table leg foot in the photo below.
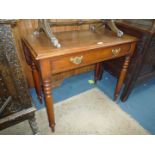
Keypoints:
(53, 128)
(115, 97)
(98, 72)
(124, 99)
(40, 99)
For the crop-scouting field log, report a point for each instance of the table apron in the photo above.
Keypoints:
(85, 58)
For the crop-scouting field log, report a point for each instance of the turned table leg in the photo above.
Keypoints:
(98, 71)
(36, 81)
(121, 77)
(130, 83)
(47, 88)
(34, 71)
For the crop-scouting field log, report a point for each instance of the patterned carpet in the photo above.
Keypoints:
(91, 112)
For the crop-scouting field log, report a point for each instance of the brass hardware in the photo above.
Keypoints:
(116, 51)
(76, 60)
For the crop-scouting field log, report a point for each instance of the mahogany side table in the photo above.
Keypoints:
(79, 48)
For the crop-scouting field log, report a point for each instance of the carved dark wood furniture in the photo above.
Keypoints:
(142, 66)
(78, 48)
(15, 101)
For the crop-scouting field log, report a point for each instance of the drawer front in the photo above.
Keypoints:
(88, 57)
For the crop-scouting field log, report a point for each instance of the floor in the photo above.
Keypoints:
(140, 104)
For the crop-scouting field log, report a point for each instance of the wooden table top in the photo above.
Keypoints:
(73, 42)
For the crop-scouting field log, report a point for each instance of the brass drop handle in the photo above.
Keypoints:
(76, 60)
(116, 51)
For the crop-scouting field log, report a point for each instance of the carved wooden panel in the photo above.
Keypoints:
(151, 52)
(13, 83)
